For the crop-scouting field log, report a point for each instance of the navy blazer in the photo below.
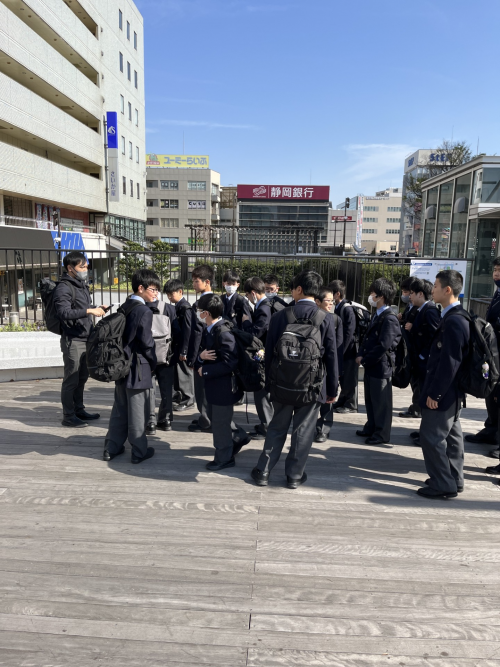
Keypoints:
(185, 315)
(381, 337)
(346, 313)
(259, 324)
(493, 314)
(450, 347)
(138, 343)
(167, 309)
(234, 308)
(409, 314)
(218, 375)
(423, 333)
(197, 328)
(305, 310)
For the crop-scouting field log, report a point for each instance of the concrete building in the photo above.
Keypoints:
(415, 167)
(335, 235)
(63, 65)
(378, 220)
(183, 206)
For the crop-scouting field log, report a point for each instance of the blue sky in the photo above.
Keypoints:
(328, 92)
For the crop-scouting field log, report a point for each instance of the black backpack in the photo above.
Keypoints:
(276, 305)
(363, 319)
(479, 372)
(47, 289)
(297, 369)
(250, 374)
(106, 358)
(402, 365)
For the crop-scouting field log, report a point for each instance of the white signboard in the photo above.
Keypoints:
(428, 268)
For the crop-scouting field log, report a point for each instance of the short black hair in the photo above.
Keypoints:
(385, 288)
(212, 303)
(337, 286)
(310, 281)
(423, 286)
(406, 283)
(231, 276)
(254, 284)
(496, 261)
(451, 278)
(203, 272)
(146, 278)
(173, 285)
(271, 279)
(74, 258)
(323, 292)
(431, 285)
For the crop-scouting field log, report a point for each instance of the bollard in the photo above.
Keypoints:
(13, 318)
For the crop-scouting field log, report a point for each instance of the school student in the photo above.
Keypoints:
(235, 305)
(348, 399)
(130, 411)
(377, 356)
(407, 317)
(324, 301)
(272, 288)
(183, 384)
(217, 360)
(306, 286)
(441, 398)
(257, 324)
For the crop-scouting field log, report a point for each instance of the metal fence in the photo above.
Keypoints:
(21, 271)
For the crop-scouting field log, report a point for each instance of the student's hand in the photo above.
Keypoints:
(330, 399)
(97, 312)
(200, 371)
(400, 317)
(408, 326)
(246, 318)
(359, 360)
(208, 355)
(432, 405)
(182, 357)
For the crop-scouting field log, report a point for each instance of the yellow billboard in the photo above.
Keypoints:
(179, 161)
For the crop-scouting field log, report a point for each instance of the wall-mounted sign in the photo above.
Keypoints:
(113, 174)
(304, 192)
(177, 161)
(428, 268)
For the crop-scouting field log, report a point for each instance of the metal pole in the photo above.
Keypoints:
(345, 222)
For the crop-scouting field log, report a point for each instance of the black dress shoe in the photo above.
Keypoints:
(259, 477)
(415, 435)
(343, 411)
(151, 428)
(460, 489)
(238, 446)
(294, 483)
(320, 437)
(409, 415)
(363, 434)
(86, 416)
(373, 440)
(213, 465)
(196, 428)
(139, 459)
(480, 439)
(180, 407)
(257, 436)
(109, 457)
(164, 426)
(416, 442)
(494, 454)
(427, 492)
(74, 422)
(493, 470)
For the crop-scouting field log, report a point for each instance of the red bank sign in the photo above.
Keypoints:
(312, 192)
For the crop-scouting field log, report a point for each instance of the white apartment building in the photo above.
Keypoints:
(378, 220)
(63, 65)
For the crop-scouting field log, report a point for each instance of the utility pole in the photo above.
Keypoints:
(347, 203)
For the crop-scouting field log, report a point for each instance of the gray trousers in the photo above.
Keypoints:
(165, 380)
(129, 416)
(204, 408)
(264, 409)
(325, 419)
(442, 443)
(378, 403)
(304, 428)
(184, 381)
(76, 375)
(349, 385)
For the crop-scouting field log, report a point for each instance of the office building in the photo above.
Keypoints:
(182, 202)
(335, 236)
(378, 220)
(64, 65)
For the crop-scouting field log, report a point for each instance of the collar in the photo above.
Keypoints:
(260, 301)
(423, 306)
(230, 296)
(136, 297)
(381, 310)
(209, 329)
(452, 305)
(309, 300)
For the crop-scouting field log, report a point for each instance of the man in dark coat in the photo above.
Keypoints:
(183, 383)
(130, 411)
(407, 317)
(348, 399)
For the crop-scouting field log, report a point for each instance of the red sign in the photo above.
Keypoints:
(301, 192)
(342, 217)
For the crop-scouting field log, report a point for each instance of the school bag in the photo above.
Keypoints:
(47, 291)
(479, 372)
(275, 305)
(106, 358)
(250, 373)
(402, 364)
(297, 369)
(162, 335)
(363, 319)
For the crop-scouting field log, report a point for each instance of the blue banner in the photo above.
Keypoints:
(112, 123)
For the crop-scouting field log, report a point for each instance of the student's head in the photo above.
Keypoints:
(210, 307)
(447, 287)
(324, 300)
(382, 292)
(337, 288)
(496, 271)
(174, 289)
(306, 284)
(231, 281)
(146, 283)
(271, 283)
(203, 278)
(405, 289)
(254, 289)
(420, 292)
(76, 265)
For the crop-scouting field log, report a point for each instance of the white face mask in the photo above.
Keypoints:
(255, 300)
(270, 295)
(231, 289)
(372, 301)
(198, 314)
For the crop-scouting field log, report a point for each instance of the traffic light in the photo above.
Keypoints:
(347, 202)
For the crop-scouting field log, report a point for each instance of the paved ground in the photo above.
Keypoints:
(167, 564)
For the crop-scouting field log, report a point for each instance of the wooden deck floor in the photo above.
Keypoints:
(167, 564)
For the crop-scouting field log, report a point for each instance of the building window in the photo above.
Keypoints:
(130, 149)
(137, 154)
(170, 222)
(174, 241)
(122, 104)
(135, 41)
(129, 72)
(197, 204)
(152, 203)
(371, 208)
(370, 219)
(123, 145)
(151, 184)
(129, 111)
(169, 203)
(392, 231)
(394, 209)
(215, 189)
(138, 191)
(136, 79)
(393, 220)
(137, 117)
(197, 185)
(131, 188)
(124, 181)
(369, 231)
(169, 185)
(121, 62)
(128, 30)
(120, 19)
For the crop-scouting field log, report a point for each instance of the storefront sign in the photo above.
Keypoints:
(44, 216)
(304, 192)
(342, 217)
(427, 269)
(177, 161)
(113, 174)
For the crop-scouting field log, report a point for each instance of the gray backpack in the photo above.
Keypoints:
(162, 334)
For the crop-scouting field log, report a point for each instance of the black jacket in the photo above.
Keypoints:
(449, 348)
(409, 314)
(493, 314)
(277, 303)
(339, 337)
(306, 309)
(382, 336)
(346, 313)
(218, 377)
(259, 324)
(234, 308)
(73, 314)
(423, 333)
(169, 310)
(138, 342)
(197, 327)
(185, 316)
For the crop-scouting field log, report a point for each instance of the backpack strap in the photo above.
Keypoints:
(318, 318)
(290, 315)
(73, 293)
